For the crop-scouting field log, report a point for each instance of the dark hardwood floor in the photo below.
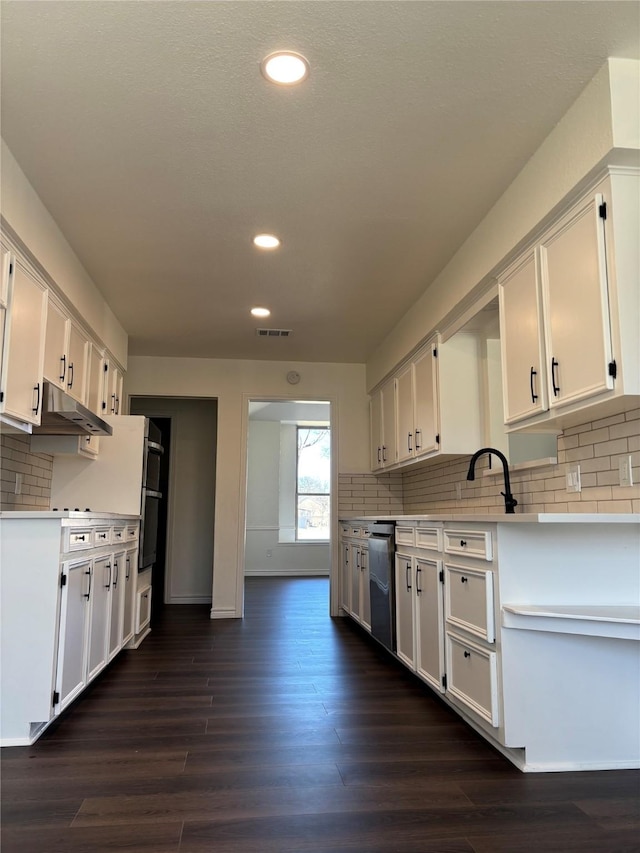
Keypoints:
(287, 732)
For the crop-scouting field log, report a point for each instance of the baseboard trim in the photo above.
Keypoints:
(224, 613)
(190, 599)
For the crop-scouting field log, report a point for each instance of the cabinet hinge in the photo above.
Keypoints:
(56, 697)
(613, 369)
(438, 438)
(441, 576)
(1, 396)
(104, 405)
(63, 580)
(10, 267)
(602, 210)
(105, 368)
(435, 352)
(444, 681)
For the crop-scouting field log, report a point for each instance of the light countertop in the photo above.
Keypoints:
(516, 518)
(85, 515)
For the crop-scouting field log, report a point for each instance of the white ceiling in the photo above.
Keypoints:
(149, 133)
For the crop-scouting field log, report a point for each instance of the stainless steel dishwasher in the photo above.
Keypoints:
(382, 583)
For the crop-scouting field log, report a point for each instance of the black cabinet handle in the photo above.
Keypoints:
(464, 580)
(70, 382)
(408, 575)
(63, 359)
(534, 396)
(467, 654)
(379, 457)
(36, 408)
(418, 446)
(113, 404)
(384, 454)
(115, 577)
(81, 538)
(127, 573)
(556, 387)
(409, 446)
(463, 543)
(87, 594)
(117, 412)
(108, 583)
(418, 587)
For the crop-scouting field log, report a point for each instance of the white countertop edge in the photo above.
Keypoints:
(624, 613)
(502, 518)
(65, 513)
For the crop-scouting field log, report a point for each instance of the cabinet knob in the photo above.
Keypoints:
(467, 654)
(463, 543)
(463, 579)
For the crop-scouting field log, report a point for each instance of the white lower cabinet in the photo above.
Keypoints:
(100, 597)
(74, 621)
(405, 610)
(75, 583)
(128, 593)
(429, 622)
(116, 604)
(355, 595)
(143, 608)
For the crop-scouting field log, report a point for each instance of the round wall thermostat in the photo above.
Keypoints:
(293, 377)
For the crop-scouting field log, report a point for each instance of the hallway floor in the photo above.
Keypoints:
(287, 732)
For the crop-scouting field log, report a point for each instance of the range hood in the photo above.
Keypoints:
(62, 415)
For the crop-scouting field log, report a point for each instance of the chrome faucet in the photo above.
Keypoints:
(509, 501)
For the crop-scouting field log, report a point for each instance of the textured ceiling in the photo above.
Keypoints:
(150, 135)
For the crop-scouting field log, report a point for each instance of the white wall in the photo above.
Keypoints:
(233, 384)
(602, 126)
(267, 481)
(32, 223)
(191, 530)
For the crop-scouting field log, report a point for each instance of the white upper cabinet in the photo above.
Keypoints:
(111, 388)
(417, 405)
(567, 339)
(523, 362)
(66, 352)
(23, 345)
(383, 426)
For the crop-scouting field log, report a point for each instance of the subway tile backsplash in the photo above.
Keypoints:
(597, 447)
(36, 469)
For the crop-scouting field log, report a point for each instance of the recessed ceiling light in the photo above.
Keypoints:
(266, 241)
(260, 312)
(285, 67)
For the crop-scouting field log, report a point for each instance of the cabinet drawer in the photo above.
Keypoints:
(469, 600)
(131, 533)
(118, 534)
(471, 543)
(79, 538)
(472, 677)
(405, 535)
(101, 536)
(429, 537)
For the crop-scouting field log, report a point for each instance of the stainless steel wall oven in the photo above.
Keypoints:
(151, 496)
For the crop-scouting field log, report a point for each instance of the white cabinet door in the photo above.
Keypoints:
(99, 615)
(55, 345)
(74, 610)
(23, 351)
(387, 393)
(356, 572)
(430, 622)
(576, 303)
(118, 583)
(405, 610)
(128, 593)
(345, 578)
(375, 416)
(95, 379)
(78, 352)
(112, 393)
(404, 402)
(425, 402)
(365, 589)
(521, 340)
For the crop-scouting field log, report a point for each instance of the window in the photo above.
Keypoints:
(313, 478)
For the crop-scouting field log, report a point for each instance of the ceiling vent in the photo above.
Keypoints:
(273, 333)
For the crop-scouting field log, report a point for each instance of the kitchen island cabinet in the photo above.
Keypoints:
(530, 631)
(61, 613)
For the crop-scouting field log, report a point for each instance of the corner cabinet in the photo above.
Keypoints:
(568, 342)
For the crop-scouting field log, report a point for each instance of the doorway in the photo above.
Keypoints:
(183, 572)
(289, 484)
